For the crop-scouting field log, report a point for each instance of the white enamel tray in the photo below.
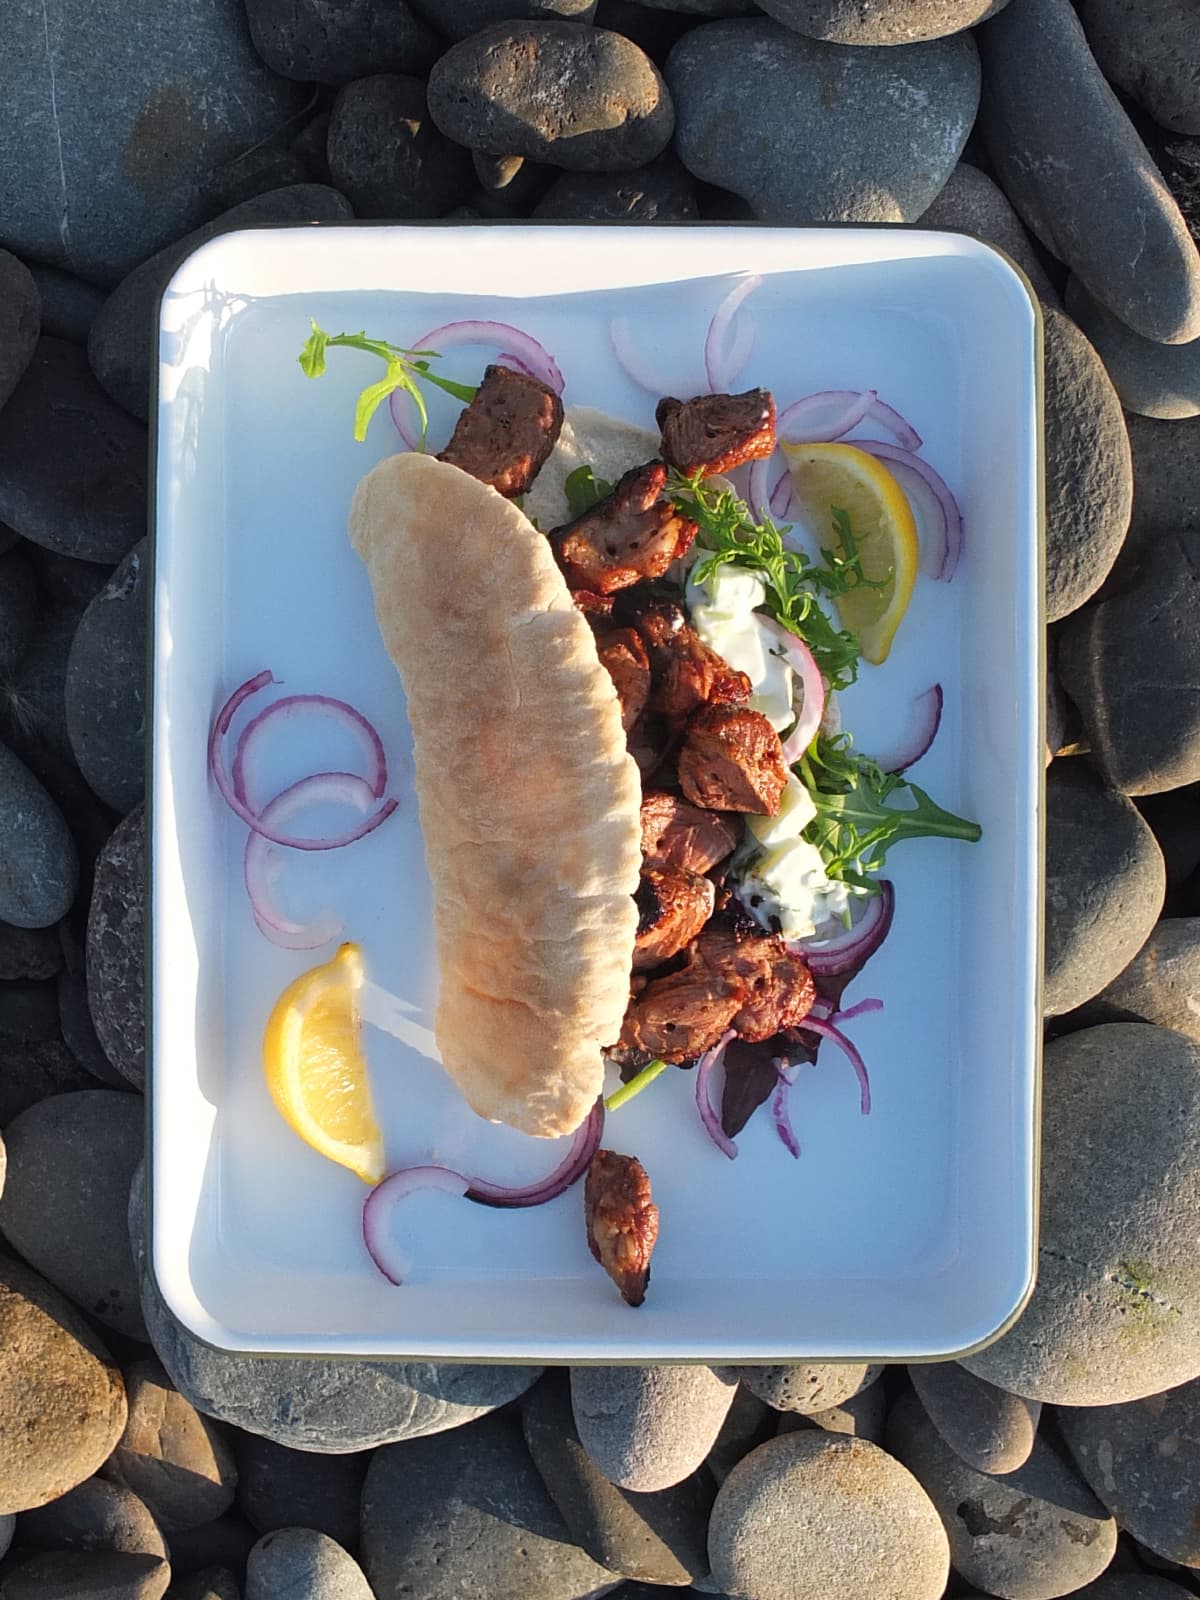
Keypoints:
(906, 1234)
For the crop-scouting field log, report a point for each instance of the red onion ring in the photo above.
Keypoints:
(899, 427)
(758, 496)
(920, 734)
(706, 1065)
(721, 364)
(824, 417)
(827, 1030)
(378, 1206)
(861, 1009)
(573, 1166)
(945, 543)
(519, 349)
(338, 710)
(780, 1113)
(781, 495)
(629, 358)
(829, 957)
(812, 707)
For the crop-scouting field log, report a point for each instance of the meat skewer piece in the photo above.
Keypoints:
(673, 905)
(676, 833)
(685, 672)
(623, 654)
(630, 535)
(621, 1220)
(732, 760)
(716, 432)
(505, 434)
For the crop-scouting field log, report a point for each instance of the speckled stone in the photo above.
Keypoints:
(90, 1575)
(1156, 380)
(39, 867)
(647, 1428)
(806, 1387)
(973, 203)
(302, 1564)
(115, 939)
(988, 1428)
(20, 312)
(1151, 49)
(1161, 984)
(889, 22)
(106, 686)
(386, 155)
(1166, 477)
(662, 192)
(94, 1516)
(179, 1462)
(314, 42)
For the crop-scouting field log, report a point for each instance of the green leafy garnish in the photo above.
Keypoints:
(406, 369)
(584, 490)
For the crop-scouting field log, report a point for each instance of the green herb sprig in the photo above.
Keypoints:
(406, 369)
(584, 490)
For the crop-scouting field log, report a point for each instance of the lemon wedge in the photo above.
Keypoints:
(826, 476)
(315, 1067)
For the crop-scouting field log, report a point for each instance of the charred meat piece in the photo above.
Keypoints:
(732, 760)
(629, 535)
(686, 673)
(676, 833)
(622, 1221)
(504, 436)
(592, 605)
(778, 987)
(623, 654)
(679, 1016)
(648, 742)
(673, 905)
(716, 432)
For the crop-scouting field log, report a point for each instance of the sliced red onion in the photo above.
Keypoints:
(828, 957)
(824, 417)
(812, 705)
(346, 716)
(899, 427)
(741, 343)
(758, 495)
(706, 1066)
(377, 1211)
(940, 553)
(781, 495)
(780, 1113)
(507, 359)
(827, 1030)
(862, 1009)
(722, 363)
(520, 350)
(920, 733)
(572, 1167)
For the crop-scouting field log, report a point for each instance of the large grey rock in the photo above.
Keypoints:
(387, 156)
(20, 310)
(1143, 1461)
(988, 1428)
(72, 464)
(69, 304)
(1157, 380)
(282, 1488)
(179, 1462)
(122, 337)
(812, 132)
(90, 1575)
(647, 1428)
(1105, 882)
(467, 1517)
(1033, 1534)
(805, 1387)
(71, 1160)
(1151, 49)
(972, 203)
(662, 192)
(1115, 1315)
(560, 92)
(1070, 161)
(18, 608)
(302, 1564)
(106, 686)
(39, 868)
(658, 1538)
(116, 948)
(94, 1516)
(458, 19)
(315, 42)
(1131, 663)
(1089, 474)
(115, 123)
(61, 1398)
(1161, 984)
(880, 21)
(810, 1515)
(1166, 478)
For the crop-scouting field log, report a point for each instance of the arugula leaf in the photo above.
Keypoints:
(406, 369)
(584, 490)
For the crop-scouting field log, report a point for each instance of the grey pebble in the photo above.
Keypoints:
(1105, 883)
(282, 1488)
(972, 203)
(1156, 380)
(69, 304)
(386, 155)
(32, 1070)
(115, 938)
(92, 1575)
(313, 42)
(564, 93)
(1035, 1533)
(33, 711)
(96, 1515)
(20, 316)
(989, 1429)
(18, 608)
(458, 19)
(1151, 49)
(179, 1462)
(1166, 477)
(1115, 1314)
(32, 953)
(303, 1565)
(1161, 984)
(1069, 159)
(662, 192)
(649, 1427)
(860, 1416)
(79, 1031)
(39, 867)
(106, 686)
(807, 1386)
(882, 22)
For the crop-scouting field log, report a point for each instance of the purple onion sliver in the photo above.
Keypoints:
(851, 948)
(812, 705)
(888, 417)
(573, 1166)
(920, 733)
(757, 495)
(706, 1066)
(938, 486)
(823, 417)
(398, 403)
(339, 711)
(835, 1035)
(718, 360)
(377, 1209)
(781, 495)
(782, 1118)
(535, 358)
(515, 364)
(862, 1009)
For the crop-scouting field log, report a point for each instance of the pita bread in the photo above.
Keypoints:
(589, 438)
(529, 801)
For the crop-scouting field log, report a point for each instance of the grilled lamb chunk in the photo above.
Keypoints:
(779, 989)
(685, 672)
(592, 605)
(623, 654)
(716, 432)
(622, 1221)
(676, 833)
(504, 436)
(732, 760)
(679, 1016)
(673, 905)
(629, 535)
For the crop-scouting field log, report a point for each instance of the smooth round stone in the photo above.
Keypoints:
(121, 344)
(573, 96)
(1072, 164)
(314, 42)
(663, 192)
(61, 1397)
(106, 686)
(1089, 473)
(807, 1387)
(39, 868)
(861, 1416)
(95, 1516)
(91, 1575)
(1105, 883)
(989, 1429)
(1130, 664)
(210, 1583)
(466, 1517)
(79, 1032)
(387, 156)
(647, 1428)
(1143, 1461)
(33, 711)
(811, 132)
(115, 939)
(1035, 1533)
(176, 1460)
(972, 203)
(32, 953)
(1115, 1315)
(69, 304)
(20, 313)
(1161, 984)
(71, 1160)
(72, 464)
(1157, 380)
(458, 19)
(282, 1488)
(18, 608)
(303, 1565)
(810, 1515)
(881, 21)
(1151, 50)
(658, 1538)
(1166, 477)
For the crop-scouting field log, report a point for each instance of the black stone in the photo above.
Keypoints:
(388, 157)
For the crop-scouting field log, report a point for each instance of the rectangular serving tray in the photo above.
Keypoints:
(908, 1234)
